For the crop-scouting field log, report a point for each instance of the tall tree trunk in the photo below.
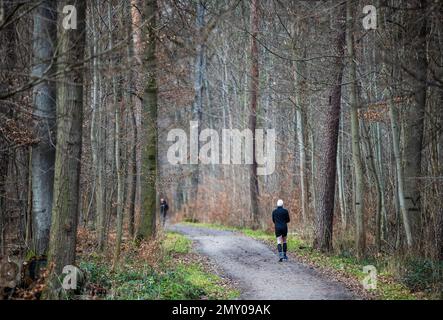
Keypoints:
(395, 131)
(149, 162)
(300, 88)
(69, 143)
(97, 135)
(360, 236)
(197, 108)
(130, 101)
(313, 173)
(393, 115)
(8, 37)
(380, 173)
(117, 99)
(327, 164)
(28, 219)
(253, 179)
(133, 189)
(43, 152)
(414, 115)
(302, 163)
(378, 188)
(120, 184)
(111, 170)
(341, 177)
(137, 25)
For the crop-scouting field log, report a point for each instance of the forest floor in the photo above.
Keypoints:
(166, 268)
(256, 270)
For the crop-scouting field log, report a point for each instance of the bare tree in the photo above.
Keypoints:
(43, 152)
(253, 180)
(327, 163)
(7, 62)
(63, 234)
(149, 161)
(360, 239)
(197, 107)
(415, 34)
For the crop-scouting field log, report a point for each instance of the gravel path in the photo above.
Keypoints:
(254, 266)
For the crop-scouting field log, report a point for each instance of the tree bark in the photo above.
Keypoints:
(130, 102)
(69, 143)
(300, 88)
(378, 187)
(327, 163)
(149, 152)
(414, 116)
(43, 152)
(360, 235)
(253, 180)
(97, 137)
(340, 178)
(197, 108)
(393, 115)
(117, 99)
(380, 174)
(395, 131)
(8, 39)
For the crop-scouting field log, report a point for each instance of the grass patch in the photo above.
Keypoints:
(208, 283)
(176, 243)
(175, 278)
(388, 286)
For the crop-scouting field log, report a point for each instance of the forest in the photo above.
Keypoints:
(220, 108)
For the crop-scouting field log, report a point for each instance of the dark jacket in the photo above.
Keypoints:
(164, 208)
(280, 217)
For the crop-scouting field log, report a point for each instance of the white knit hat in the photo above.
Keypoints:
(280, 203)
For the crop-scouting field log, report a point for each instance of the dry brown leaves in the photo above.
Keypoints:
(33, 290)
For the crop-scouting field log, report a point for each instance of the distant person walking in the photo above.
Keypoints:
(280, 217)
(163, 210)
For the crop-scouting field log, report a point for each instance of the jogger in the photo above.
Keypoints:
(163, 210)
(280, 217)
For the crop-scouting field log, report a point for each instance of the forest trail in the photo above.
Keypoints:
(255, 267)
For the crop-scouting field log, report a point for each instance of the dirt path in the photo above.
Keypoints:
(255, 267)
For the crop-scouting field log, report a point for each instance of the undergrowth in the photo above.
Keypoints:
(172, 276)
